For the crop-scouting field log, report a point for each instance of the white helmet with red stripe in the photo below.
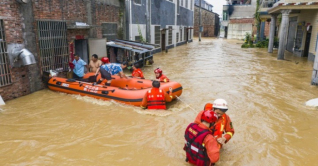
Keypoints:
(220, 104)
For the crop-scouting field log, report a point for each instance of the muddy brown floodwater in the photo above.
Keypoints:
(266, 104)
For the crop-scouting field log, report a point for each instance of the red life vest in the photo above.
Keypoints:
(218, 128)
(194, 147)
(156, 99)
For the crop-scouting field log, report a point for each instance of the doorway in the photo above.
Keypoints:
(163, 40)
(81, 49)
(307, 42)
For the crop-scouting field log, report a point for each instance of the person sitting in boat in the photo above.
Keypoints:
(159, 76)
(224, 123)
(109, 69)
(78, 71)
(201, 147)
(95, 63)
(137, 73)
(156, 98)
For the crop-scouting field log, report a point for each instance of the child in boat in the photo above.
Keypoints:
(137, 73)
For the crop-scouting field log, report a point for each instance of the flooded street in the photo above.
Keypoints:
(266, 99)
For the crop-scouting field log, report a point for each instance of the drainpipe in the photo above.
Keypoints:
(148, 6)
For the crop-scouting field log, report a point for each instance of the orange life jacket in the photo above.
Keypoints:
(218, 128)
(156, 99)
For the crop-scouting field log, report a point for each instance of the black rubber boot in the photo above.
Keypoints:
(99, 81)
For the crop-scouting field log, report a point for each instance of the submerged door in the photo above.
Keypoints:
(307, 43)
(163, 40)
(81, 49)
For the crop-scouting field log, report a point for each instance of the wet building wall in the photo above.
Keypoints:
(210, 22)
(22, 23)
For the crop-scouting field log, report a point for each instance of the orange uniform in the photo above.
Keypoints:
(138, 73)
(163, 78)
(210, 144)
(222, 124)
(155, 99)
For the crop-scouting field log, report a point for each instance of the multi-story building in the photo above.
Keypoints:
(238, 18)
(167, 23)
(210, 21)
(53, 31)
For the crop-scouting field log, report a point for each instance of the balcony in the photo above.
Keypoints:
(268, 3)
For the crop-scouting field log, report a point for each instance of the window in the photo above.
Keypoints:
(170, 35)
(109, 31)
(137, 39)
(181, 35)
(157, 34)
(177, 37)
(185, 34)
(178, 6)
(224, 15)
(186, 3)
(53, 45)
(181, 2)
(137, 2)
(5, 73)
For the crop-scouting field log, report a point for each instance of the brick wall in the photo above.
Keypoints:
(13, 32)
(207, 21)
(70, 11)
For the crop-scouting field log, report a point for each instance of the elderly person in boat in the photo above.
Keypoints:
(156, 98)
(79, 64)
(109, 69)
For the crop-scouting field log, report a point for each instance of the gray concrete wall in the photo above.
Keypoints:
(162, 13)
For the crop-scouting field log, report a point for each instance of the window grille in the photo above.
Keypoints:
(53, 45)
(185, 33)
(157, 34)
(5, 73)
(170, 35)
(177, 36)
(137, 39)
(181, 35)
(109, 31)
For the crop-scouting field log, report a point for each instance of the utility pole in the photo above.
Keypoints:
(148, 4)
(200, 26)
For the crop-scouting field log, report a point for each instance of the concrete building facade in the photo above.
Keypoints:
(167, 23)
(53, 31)
(210, 21)
(238, 18)
(297, 22)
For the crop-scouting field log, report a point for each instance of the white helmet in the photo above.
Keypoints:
(220, 104)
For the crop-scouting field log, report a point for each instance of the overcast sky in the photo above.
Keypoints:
(217, 6)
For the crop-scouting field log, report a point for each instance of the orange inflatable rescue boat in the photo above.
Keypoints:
(128, 91)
